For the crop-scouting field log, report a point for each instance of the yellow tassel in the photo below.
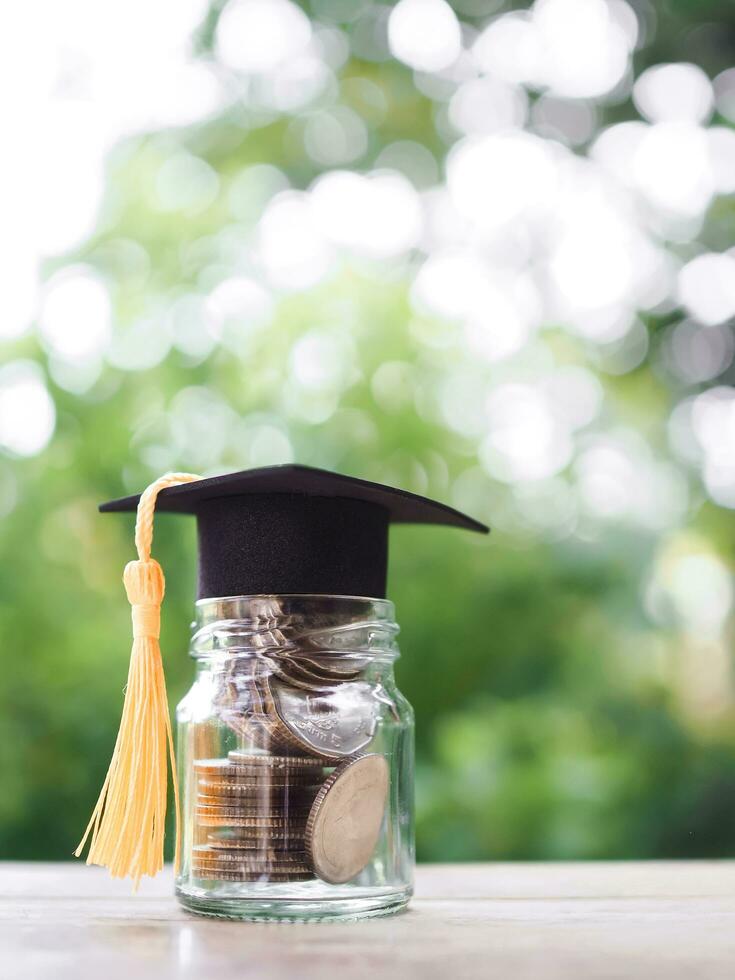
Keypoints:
(128, 822)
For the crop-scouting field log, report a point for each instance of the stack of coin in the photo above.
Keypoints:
(300, 713)
(255, 808)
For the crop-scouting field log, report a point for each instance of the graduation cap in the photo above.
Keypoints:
(278, 530)
(284, 530)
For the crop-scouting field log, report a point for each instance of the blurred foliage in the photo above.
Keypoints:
(552, 713)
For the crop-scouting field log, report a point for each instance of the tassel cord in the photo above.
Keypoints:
(127, 826)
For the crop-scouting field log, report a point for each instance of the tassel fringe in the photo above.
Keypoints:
(128, 823)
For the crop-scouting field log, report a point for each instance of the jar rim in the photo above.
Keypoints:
(387, 604)
(261, 623)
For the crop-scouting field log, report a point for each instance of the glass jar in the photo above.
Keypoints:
(295, 757)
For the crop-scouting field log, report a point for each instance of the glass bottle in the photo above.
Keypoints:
(295, 752)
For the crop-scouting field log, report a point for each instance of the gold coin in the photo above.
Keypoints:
(345, 818)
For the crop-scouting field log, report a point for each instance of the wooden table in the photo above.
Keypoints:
(504, 921)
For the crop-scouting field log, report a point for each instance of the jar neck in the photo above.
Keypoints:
(309, 626)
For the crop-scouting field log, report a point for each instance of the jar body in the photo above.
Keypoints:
(295, 755)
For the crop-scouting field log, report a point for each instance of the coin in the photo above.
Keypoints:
(280, 873)
(262, 790)
(277, 817)
(287, 762)
(212, 874)
(257, 843)
(258, 730)
(332, 723)
(219, 807)
(332, 666)
(252, 793)
(228, 771)
(242, 708)
(242, 804)
(263, 867)
(318, 667)
(268, 782)
(234, 860)
(267, 823)
(305, 674)
(345, 819)
(198, 867)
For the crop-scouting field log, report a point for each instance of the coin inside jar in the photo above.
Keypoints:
(263, 794)
(307, 674)
(216, 806)
(291, 763)
(280, 860)
(233, 771)
(345, 818)
(214, 874)
(246, 839)
(333, 723)
(210, 816)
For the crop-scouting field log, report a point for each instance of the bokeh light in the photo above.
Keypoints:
(27, 412)
(424, 34)
(479, 249)
(258, 36)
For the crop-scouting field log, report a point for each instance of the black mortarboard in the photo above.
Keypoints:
(295, 530)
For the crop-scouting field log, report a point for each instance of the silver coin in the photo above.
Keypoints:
(229, 771)
(282, 861)
(216, 806)
(260, 839)
(333, 667)
(290, 763)
(332, 723)
(345, 819)
(255, 794)
(309, 674)
(214, 874)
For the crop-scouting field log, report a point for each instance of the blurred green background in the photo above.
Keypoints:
(476, 251)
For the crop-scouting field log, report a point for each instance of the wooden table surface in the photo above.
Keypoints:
(504, 921)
